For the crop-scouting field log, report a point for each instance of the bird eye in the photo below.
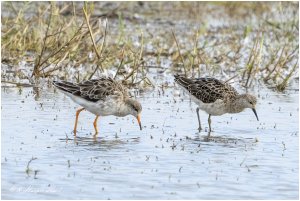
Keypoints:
(135, 109)
(251, 103)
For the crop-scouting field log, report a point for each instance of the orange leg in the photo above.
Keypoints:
(95, 125)
(77, 114)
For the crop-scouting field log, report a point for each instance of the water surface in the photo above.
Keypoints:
(168, 159)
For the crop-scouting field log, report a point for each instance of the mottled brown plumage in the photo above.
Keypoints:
(102, 97)
(93, 90)
(215, 97)
(208, 90)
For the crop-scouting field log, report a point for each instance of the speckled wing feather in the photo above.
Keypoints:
(94, 90)
(208, 90)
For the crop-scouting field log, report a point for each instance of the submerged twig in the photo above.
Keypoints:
(283, 84)
(178, 48)
(27, 167)
(231, 78)
(120, 65)
(275, 66)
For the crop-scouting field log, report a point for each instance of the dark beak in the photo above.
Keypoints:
(139, 121)
(255, 113)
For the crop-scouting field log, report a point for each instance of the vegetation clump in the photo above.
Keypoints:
(247, 41)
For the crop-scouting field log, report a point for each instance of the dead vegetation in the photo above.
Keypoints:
(68, 40)
(79, 41)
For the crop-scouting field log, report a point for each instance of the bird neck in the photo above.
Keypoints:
(124, 107)
(236, 105)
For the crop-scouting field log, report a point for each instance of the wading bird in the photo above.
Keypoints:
(102, 97)
(215, 97)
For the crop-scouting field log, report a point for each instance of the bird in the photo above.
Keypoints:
(215, 97)
(102, 97)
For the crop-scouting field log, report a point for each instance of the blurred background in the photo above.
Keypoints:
(76, 40)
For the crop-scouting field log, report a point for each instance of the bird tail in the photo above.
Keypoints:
(66, 86)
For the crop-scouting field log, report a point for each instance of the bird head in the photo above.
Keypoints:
(135, 109)
(249, 101)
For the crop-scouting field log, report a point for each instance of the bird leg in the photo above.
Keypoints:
(77, 115)
(200, 128)
(209, 124)
(95, 138)
(95, 125)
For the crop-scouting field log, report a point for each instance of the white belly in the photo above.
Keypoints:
(216, 109)
(100, 108)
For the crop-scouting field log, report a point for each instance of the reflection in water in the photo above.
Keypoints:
(225, 139)
(193, 143)
(36, 92)
(101, 142)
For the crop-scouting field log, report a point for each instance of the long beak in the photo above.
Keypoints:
(255, 113)
(139, 121)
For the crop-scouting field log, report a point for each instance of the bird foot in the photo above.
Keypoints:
(208, 130)
(199, 129)
(95, 137)
(74, 132)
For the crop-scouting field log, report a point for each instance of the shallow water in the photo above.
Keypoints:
(168, 159)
